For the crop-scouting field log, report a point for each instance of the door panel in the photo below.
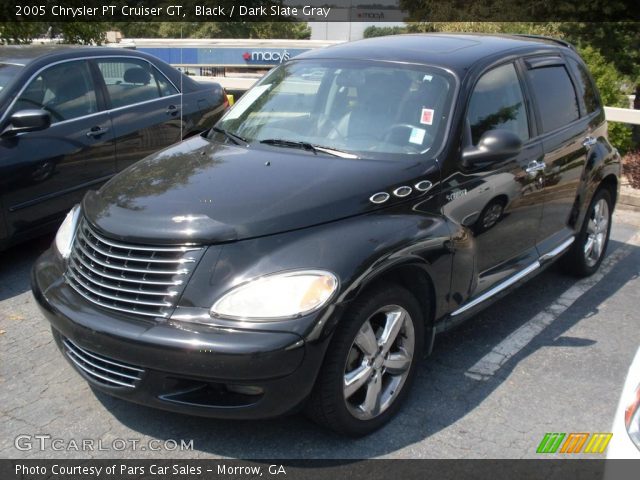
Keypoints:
(565, 158)
(43, 173)
(499, 206)
(141, 130)
(145, 108)
(468, 197)
(565, 155)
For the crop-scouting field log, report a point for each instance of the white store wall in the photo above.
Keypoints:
(345, 31)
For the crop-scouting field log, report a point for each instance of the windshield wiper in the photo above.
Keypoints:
(234, 137)
(307, 146)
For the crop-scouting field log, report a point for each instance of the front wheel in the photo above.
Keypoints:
(370, 363)
(587, 252)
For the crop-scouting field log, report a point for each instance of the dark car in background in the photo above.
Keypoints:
(306, 251)
(70, 118)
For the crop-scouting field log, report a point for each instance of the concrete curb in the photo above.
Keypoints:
(629, 200)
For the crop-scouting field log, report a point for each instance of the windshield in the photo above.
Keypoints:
(369, 109)
(7, 73)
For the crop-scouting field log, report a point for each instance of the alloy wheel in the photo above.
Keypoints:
(378, 362)
(491, 216)
(597, 228)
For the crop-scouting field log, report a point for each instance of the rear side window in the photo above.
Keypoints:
(166, 87)
(497, 103)
(131, 81)
(555, 96)
(585, 86)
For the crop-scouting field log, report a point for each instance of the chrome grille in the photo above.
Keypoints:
(102, 369)
(130, 278)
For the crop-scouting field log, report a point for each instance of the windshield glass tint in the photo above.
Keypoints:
(366, 108)
(7, 73)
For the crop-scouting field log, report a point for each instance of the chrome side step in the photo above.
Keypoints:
(558, 250)
(515, 278)
(497, 289)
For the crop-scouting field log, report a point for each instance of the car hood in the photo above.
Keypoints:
(203, 192)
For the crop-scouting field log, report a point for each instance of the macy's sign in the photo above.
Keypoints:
(266, 56)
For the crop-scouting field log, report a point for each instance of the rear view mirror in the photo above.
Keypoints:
(27, 121)
(494, 146)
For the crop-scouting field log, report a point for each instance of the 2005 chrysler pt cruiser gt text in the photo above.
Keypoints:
(357, 200)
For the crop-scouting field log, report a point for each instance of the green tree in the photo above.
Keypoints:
(21, 32)
(84, 32)
(71, 32)
(95, 32)
(613, 90)
(373, 31)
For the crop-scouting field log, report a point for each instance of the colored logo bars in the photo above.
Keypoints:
(574, 443)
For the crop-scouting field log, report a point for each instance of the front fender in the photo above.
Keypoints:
(357, 250)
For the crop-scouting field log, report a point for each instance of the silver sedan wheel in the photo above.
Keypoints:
(597, 229)
(378, 362)
(491, 216)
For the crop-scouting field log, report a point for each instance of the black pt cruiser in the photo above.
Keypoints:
(355, 202)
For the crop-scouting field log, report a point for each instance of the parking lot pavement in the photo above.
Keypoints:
(550, 357)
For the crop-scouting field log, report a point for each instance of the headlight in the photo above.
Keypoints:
(632, 418)
(66, 232)
(277, 296)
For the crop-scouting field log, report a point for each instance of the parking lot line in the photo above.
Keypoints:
(488, 365)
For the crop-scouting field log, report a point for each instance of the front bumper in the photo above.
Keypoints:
(188, 368)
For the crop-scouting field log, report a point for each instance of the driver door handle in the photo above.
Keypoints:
(97, 131)
(171, 109)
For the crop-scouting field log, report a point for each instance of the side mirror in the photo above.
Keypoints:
(494, 146)
(27, 121)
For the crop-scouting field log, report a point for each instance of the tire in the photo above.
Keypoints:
(589, 248)
(357, 352)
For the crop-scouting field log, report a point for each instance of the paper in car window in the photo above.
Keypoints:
(426, 117)
(246, 100)
(417, 135)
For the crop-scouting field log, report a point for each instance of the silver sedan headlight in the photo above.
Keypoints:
(277, 296)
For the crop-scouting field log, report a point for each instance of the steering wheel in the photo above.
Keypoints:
(416, 147)
(396, 126)
(389, 130)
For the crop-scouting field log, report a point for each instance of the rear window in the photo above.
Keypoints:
(586, 90)
(555, 96)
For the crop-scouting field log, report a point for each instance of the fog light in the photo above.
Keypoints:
(245, 389)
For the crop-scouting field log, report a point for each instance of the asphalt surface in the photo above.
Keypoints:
(550, 357)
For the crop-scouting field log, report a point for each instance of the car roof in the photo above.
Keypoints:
(28, 54)
(454, 51)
